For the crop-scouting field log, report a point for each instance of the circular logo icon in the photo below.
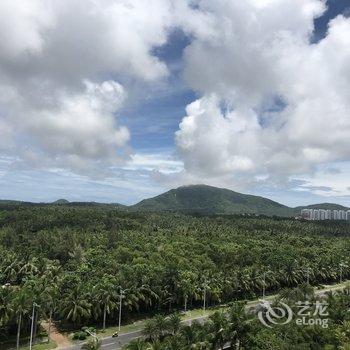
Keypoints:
(277, 315)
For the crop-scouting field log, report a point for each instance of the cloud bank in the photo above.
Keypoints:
(274, 104)
(64, 67)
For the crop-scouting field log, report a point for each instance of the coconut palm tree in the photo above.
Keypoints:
(156, 345)
(137, 344)
(104, 293)
(150, 330)
(189, 334)
(21, 307)
(218, 326)
(174, 342)
(75, 306)
(161, 324)
(92, 344)
(174, 323)
(238, 321)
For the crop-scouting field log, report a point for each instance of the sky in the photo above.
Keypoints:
(120, 100)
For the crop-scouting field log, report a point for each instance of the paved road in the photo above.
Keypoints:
(117, 343)
(125, 338)
(112, 343)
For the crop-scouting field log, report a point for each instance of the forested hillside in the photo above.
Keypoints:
(71, 261)
(193, 199)
(212, 200)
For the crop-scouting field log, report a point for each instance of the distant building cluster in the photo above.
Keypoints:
(323, 214)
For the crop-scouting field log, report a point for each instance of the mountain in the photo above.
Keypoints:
(9, 202)
(13, 204)
(61, 201)
(331, 206)
(212, 200)
(201, 199)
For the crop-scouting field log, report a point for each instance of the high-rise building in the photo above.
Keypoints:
(342, 215)
(322, 214)
(335, 214)
(348, 215)
(325, 214)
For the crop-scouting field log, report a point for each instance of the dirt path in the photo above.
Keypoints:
(61, 340)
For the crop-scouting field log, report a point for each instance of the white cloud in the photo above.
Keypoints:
(272, 105)
(235, 56)
(321, 183)
(67, 41)
(82, 124)
(163, 162)
(76, 133)
(207, 141)
(21, 26)
(257, 53)
(61, 64)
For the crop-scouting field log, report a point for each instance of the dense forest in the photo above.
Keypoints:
(238, 329)
(73, 261)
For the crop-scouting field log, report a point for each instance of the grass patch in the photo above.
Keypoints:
(43, 346)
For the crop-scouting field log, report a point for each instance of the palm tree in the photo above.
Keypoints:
(218, 325)
(137, 344)
(292, 275)
(150, 330)
(174, 342)
(238, 324)
(21, 307)
(6, 309)
(186, 285)
(50, 294)
(148, 295)
(156, 345)
(174, 323)
(75, 306)
(196, 335)
(92, 344)
(189, 334)
(35, 286)
(105, 294)
(30, 268)
(161, 324)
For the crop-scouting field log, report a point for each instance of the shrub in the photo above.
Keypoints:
(80, 335)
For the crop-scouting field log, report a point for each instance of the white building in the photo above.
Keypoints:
(322, 214)
(342, 214)
(335, 214)
(348, 215)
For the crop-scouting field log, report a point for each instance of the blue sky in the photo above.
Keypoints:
(146, 107)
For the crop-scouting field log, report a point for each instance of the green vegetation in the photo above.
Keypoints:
(71, 260)
(194, 199)
(237, 329)
(211, 200)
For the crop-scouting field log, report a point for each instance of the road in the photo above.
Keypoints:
(123, 339)
(112, 343)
